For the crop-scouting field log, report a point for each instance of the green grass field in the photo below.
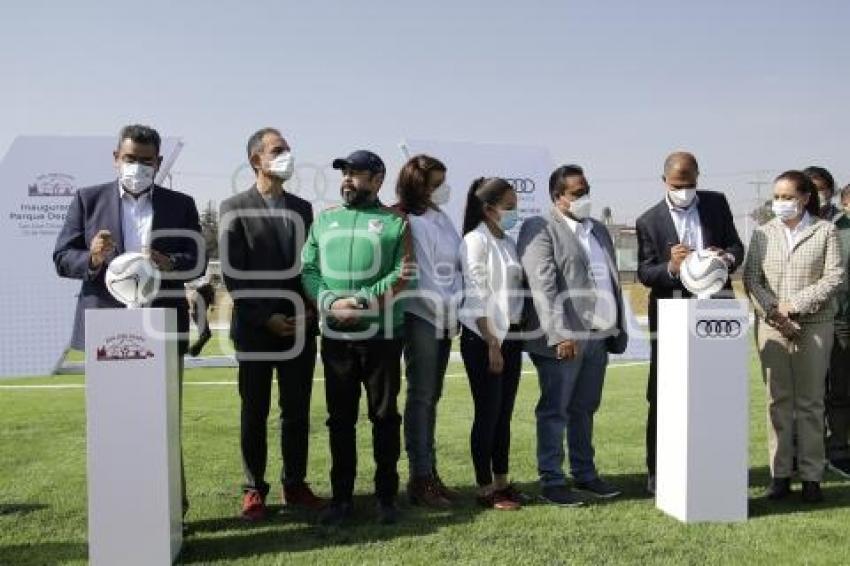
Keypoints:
(43, 492)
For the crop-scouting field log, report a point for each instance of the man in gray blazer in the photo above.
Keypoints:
(574, 320)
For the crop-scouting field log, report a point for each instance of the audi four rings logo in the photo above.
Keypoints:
(522, 186)
(718, 328)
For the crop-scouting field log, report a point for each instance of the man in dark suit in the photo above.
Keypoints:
(684, 221)
(273, 325)
(576, 319)
(131, 214)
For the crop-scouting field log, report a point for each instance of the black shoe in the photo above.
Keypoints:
(598, 488)
(195, 349)
(560, 495)
(812, 492)
(840, 466)
(780, 488)
(337, 513)
(387, 513)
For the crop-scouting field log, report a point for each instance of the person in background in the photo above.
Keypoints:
(844, 200)
(430, 320)
(577, 309)
(490, 343)
(837, 401)
(825, 185)
(792, 272)
(273, 325)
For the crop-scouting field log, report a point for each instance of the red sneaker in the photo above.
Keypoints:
(499, 501)
(253, 506)
(300, 495)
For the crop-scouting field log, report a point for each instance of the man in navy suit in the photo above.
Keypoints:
(684, 221)
(131, 214)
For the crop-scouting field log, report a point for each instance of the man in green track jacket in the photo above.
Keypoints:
(354, 266)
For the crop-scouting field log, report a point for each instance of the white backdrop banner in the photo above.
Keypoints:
(527, 168)
(38, 177)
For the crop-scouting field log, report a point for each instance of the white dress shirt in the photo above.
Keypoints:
(436, 244)
(604, 314)
(136, 219)
(688, 226)
(792, 235)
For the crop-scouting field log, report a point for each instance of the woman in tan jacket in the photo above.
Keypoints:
(792, 271)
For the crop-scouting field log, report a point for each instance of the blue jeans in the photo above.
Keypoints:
(425, 359)
(570, 393)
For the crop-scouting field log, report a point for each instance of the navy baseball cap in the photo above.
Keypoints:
(360, 160)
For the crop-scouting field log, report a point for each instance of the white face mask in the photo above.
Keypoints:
(581, 207)
(136, 177)
(823, 200)
(441, 194)
(681, 198)
(785, 209)
(283, 166)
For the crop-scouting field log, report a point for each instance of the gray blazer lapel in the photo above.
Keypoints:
(569, 237)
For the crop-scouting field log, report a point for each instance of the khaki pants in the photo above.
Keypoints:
(795, 375)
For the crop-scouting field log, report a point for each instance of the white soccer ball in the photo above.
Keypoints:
(703, 273)
(132, 279)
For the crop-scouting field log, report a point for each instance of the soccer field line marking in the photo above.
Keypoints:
(213, 383)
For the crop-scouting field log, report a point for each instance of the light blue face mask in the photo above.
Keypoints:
(508, 219)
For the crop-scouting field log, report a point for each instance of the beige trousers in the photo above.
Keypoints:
(795, 375)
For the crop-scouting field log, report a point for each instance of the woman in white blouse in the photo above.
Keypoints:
(430, 320)
(490, 343)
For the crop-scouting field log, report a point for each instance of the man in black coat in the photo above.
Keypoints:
(273, 325)
(685, 220)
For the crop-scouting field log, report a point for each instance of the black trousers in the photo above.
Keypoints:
(493, 397)
(295, 385)
(652, 399)
(837, 402)
(652, 383)
(375, 363)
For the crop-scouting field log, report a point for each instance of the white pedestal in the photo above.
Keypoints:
(703, 413)
(133, 423)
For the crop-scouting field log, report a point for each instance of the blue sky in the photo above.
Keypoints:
(752, 88)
